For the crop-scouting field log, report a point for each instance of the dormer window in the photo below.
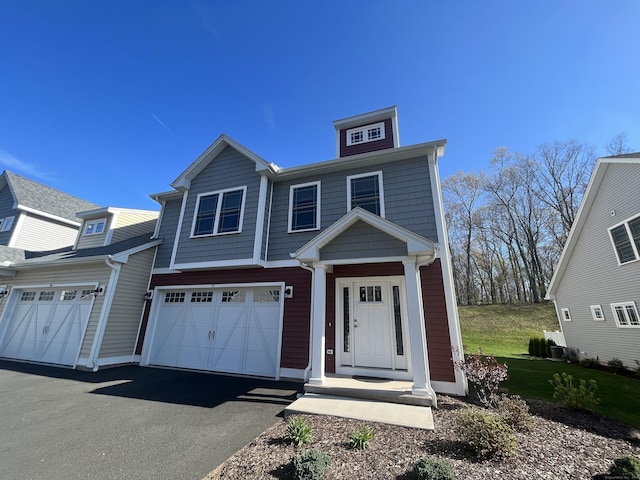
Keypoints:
(95, 227)
(367, 133)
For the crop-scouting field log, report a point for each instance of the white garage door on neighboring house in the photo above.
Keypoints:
(46, 325)
(229, 330)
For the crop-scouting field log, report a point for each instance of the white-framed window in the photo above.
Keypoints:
(95, 227)
(625, 238)
(597, 313)
(304, 207)
(7, 223)
(366, 191)
(626, 314)
(174, 297)
(367, 133)
(219, 213)
(566, 315)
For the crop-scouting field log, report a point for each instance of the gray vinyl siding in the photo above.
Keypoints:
(361, 240)
(126, 310)
(91, 241)
(39, 234)
(6, 210)
(407, 198)
(167, 232)
(129, 225)
(80, 275)
(593, 276)
(228, 170)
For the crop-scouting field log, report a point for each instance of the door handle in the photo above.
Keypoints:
(209, 334)
(213, 335)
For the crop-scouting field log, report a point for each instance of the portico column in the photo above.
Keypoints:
(318, 316)
(417, 333)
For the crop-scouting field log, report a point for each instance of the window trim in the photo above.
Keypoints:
(216, 219)
(318, 203)
(635, 248)
(594, 309)
(365, 130)
(624, 305)
(566, 314)
(95, 223)
(380, 188)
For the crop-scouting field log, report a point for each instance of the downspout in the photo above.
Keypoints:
(313, 279)
(266, 243)
(104, 315)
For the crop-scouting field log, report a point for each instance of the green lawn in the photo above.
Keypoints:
(504, 331)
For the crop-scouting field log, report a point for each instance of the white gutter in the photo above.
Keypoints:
(47, 215)
(104, 314)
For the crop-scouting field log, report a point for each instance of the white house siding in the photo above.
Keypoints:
(79, 274)
(593, 276)
(131, 224)
(126, 310)
(38, 234)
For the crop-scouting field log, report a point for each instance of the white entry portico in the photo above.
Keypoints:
(387, 328)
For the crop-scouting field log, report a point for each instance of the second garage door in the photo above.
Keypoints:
(231, 330)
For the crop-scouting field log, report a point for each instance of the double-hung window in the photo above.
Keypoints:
(304, 207)
(626, 240)
(626, 314)
(219, 212)
(365, 191)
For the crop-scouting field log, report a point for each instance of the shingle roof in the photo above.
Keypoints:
(46, 199)
(70, 254)
(625, 155)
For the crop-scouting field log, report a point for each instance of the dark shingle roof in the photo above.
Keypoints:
(46, 199)
(70, 254)
(625, 155)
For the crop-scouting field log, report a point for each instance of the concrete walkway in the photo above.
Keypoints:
(362, 409)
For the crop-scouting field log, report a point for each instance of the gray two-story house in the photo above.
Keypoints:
(339, 267)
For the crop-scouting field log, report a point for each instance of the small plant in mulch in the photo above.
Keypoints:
(515, 411)
(626, 467)
(428, 469)
(310, 465)
(487, 433)
(298, 431)
(485, 375)
(359, 439)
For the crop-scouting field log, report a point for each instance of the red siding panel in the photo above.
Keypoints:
(295, 329)
(386, 142)
(436, 323)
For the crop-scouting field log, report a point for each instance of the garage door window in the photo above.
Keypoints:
(68, 295)
(46, 296)
(28, 296)
(174, 297)
(266, 295)
(201, 297)
(233, 296)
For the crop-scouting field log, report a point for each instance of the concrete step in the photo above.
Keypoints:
(413, 416)
(371, 393)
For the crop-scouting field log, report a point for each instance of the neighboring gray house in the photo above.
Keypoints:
(79, 306)
(596, 285)
(338, 267)
(36, 217)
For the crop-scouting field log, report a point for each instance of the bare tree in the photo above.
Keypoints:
(618, 145)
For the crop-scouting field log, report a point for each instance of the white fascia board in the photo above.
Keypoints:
(223, 141)
(416, 244)
(113, 210)
(162, 197)
(578, 223)
(164, 271)
(363, 159)
(47, 215)
(243, 262)
(123, 257)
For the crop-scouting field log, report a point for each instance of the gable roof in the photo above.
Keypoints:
(583, 213)
(416, 244)
(32, 196)
(223, 141)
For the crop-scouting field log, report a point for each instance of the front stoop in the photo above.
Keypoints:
(383, 391)
(414, 416)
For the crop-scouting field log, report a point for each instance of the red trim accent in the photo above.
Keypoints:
(366, 147)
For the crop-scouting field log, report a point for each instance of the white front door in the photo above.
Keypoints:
(372, 325)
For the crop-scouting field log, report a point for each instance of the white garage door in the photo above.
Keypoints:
(47, 325)
(232, 330)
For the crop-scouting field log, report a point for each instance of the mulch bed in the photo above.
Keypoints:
(562, 444)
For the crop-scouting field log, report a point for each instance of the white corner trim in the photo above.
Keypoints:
(241, 262)
(176, 240)
(260, 214)
(112, 226)
(47, 215)
(15, 233)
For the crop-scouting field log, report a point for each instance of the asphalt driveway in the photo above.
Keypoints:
(128, 422)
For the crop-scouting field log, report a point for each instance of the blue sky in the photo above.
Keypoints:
(111, 100)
